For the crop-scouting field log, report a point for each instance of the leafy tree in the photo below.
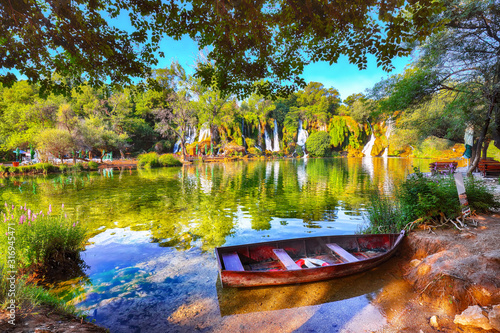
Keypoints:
(319, 144)
(318, 102)
(57, 142)
(178, 117)
(23, 115)
(462, 59)
(248, 40)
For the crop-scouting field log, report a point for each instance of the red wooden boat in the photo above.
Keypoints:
(303, 259)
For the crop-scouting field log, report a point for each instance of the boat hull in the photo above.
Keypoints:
(251, 278)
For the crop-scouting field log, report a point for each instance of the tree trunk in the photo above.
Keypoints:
(485, 148)
(482, 136)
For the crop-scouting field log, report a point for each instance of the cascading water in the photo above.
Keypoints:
(367, 150)
(388, 131)
(269, 144)
(302, 138)
(276, 137)
(204, 133)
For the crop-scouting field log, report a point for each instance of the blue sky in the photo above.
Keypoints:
(345, 77)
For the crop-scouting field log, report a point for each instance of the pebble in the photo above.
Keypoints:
(473, 316)
(434, 322)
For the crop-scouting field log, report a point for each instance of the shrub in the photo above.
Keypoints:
(46, 167)
(299, 151)
(148, 160)
(79, 167)
(38, 236)
(318, 144)
(427, 199)
(63, 168)
(93, 165)
(3, 169)
(169, 160)
(14, 170)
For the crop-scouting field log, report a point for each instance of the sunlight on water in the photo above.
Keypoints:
(152, 234)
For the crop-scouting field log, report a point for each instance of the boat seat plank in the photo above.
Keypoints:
(286, 260)
(342, 253)
(232, 262)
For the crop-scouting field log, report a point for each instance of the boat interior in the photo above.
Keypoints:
(304, 253)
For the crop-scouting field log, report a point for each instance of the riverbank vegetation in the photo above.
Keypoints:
(422, 200)
(36, 242)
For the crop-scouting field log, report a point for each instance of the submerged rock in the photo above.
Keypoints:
(473, 316)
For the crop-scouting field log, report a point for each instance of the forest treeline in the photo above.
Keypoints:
(183, 111)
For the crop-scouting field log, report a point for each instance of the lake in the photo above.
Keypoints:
(149, 261)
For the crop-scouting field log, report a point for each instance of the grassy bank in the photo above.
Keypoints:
(32, 240)
(426, 200)
(45, 168)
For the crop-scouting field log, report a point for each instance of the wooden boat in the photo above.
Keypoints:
(277, 262)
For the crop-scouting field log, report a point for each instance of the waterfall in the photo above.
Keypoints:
(367, 150)
(388, 131)
(276, 137)
(302, 137)
(204, 133)
(269, 144)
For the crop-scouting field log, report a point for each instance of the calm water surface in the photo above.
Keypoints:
(150, 257)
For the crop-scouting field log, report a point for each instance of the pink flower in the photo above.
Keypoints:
(21, 219)
(50, 209)
(62, 207)
(40, 213)
(25, 206)
(65, 216)
(74, 224)
(29, 213)
(6, 205)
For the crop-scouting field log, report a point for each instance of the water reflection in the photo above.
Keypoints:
(153, 231)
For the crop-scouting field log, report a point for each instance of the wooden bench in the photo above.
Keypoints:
(232, 262)
(286, 260)
(489, 168)
(443, 167)
(346, 256)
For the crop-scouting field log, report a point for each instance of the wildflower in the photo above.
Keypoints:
(25, 206)
(65, 216)
(74, 225)
(41, 212)
(6, 205)
(62, 207)
(21, 219)
(29, 224)
(29, 214)
(50, 209)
